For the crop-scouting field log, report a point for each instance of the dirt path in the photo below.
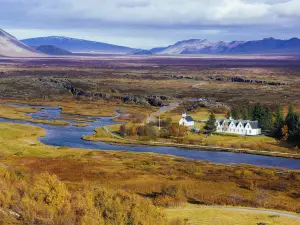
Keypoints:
(264, 211)
(152, 117)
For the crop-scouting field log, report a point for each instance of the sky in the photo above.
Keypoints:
(151, 23)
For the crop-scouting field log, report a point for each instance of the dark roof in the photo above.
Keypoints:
(189, 119)
(254, 124)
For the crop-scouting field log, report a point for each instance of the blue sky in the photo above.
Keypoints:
(152, 23)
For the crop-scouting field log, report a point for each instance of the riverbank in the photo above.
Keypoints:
(71, 136)
(106, 135)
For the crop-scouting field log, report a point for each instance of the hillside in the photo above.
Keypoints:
(77, 45)
(266, 46)
(11, 47)
(52, 50)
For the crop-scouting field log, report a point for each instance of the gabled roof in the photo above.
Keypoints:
(189, 119)
(253, 124)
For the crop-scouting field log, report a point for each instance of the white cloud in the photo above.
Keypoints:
(171, 12)
(140, 18)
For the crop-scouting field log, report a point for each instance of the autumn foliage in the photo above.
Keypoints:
(43, 199)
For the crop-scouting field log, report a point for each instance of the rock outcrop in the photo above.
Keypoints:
(245, 80)
(155, 100)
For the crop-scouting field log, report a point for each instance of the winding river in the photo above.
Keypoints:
(70, 136)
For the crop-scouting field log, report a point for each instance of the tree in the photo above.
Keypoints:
(132, 131)
(264, 116)
(123, 130)
(245, 115)
(285, 132)
(267, 122)
(182, 131)
(141, 130)
(250, 112)
(174, 130)
(228, 115)
(165, 133)
(278, 122)
(151, 131)
(292, 121)
(210, 125)
(167, 122)
(235, 113)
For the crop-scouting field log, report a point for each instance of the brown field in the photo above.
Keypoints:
(151, 76)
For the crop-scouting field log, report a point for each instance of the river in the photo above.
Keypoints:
(70, 136)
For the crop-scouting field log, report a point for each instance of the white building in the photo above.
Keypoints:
(241, 127)
(187, 121)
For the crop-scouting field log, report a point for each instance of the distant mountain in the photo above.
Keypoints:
(198, 46)
(11, 47)
(52, 50)
(141, 52)
(77, 45)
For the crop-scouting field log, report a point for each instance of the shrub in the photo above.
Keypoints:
(121, 208)
(247, 184)
(177, 222)
(170, 196)
(43, 199)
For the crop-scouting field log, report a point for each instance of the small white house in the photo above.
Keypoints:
(186, 121)
(241, 127)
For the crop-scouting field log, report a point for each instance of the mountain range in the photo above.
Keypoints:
(77, 45)
(56, 45)
(198, 46)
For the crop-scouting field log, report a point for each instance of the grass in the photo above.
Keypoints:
(15, 112)
(18, 113)
(207, 216)
(102, 135)
(81, 125)
(198, 114)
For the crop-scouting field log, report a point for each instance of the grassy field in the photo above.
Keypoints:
(229, 216)
(199, 114)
